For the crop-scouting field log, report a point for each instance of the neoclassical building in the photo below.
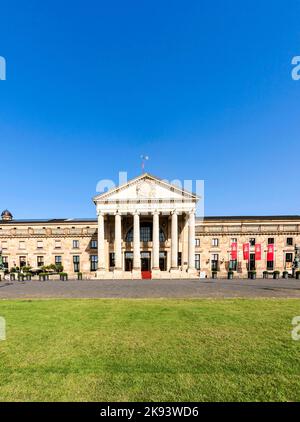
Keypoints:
(147, 228)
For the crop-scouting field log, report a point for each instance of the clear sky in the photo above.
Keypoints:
(203, 87)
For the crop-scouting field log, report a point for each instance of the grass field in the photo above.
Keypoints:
(149, 350)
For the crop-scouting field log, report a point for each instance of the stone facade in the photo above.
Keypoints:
(148, 227)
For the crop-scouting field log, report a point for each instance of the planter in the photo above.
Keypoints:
(252, 275)
(214, 274)
(265, 275)
(44, 277)
(230, 276)
(298, 275)
(20, 277)
(79, 276)
(63, 277)
(12, 276)
(275, 276)
(285, 275)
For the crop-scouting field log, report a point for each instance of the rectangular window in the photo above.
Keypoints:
(94, 244)
(197, 242)
(39, 244)
(252, 241)
(22, 261)
(233, 240)
(5, 262)
(215, 262)
(215, 242)
(76, 263)
(271, 241)
(112, 259)
(40, 261)
(270, 265)
(58, 260)
(197, 261)
(22, 245)
(57, 244)
(75, 244)
(94, 262)
(289, 241)
(233, 265)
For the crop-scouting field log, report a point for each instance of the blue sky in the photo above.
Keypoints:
(204, 88)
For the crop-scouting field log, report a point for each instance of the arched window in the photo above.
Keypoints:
(146, 233)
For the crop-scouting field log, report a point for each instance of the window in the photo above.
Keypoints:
(197, 242)
(39, 244)
(252, 241)
(270, 265)
(94, 244)
(57, 244)
(40, 261)
(112, 259)
(271, 241)
(22, 245)
(76, 263)
(22, 261)
(58, 260)
(215, 262)
(233, 265)
(145, 234)
(75, 244)
(163, 261)
(197, 261)
(289, 241)
(5, 262)
(94, 262)
(214, 242)
(233, 240)
(4, 245)
(179, 259)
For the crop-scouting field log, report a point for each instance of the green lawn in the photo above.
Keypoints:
(149, 350)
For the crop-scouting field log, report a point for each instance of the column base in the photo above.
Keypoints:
(192, 273)
(103, 274)
(156, 273)
(136, 274)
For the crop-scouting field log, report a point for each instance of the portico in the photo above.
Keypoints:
(146, 228)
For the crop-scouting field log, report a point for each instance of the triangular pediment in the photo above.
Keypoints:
(146, 187)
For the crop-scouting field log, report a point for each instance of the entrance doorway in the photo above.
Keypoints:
(163, 261)
(146, 265)
(128, 261)
(252, 262)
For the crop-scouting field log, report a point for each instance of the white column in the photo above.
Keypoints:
(118, 242)
(155, 245)
(174, 241)
(192, 240)
(136, 242)
(101, 246)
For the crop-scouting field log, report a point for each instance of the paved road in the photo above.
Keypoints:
(150, 288)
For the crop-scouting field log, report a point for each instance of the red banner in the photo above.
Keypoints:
(246, 250)
(270, 253)
(233, 253)
(258, 252)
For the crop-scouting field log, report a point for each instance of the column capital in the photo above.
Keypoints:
(136, 212)
(155, 212)
(192, 212)
(174, 212)
(100, 213)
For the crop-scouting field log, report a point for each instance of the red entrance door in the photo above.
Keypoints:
(146, 265)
